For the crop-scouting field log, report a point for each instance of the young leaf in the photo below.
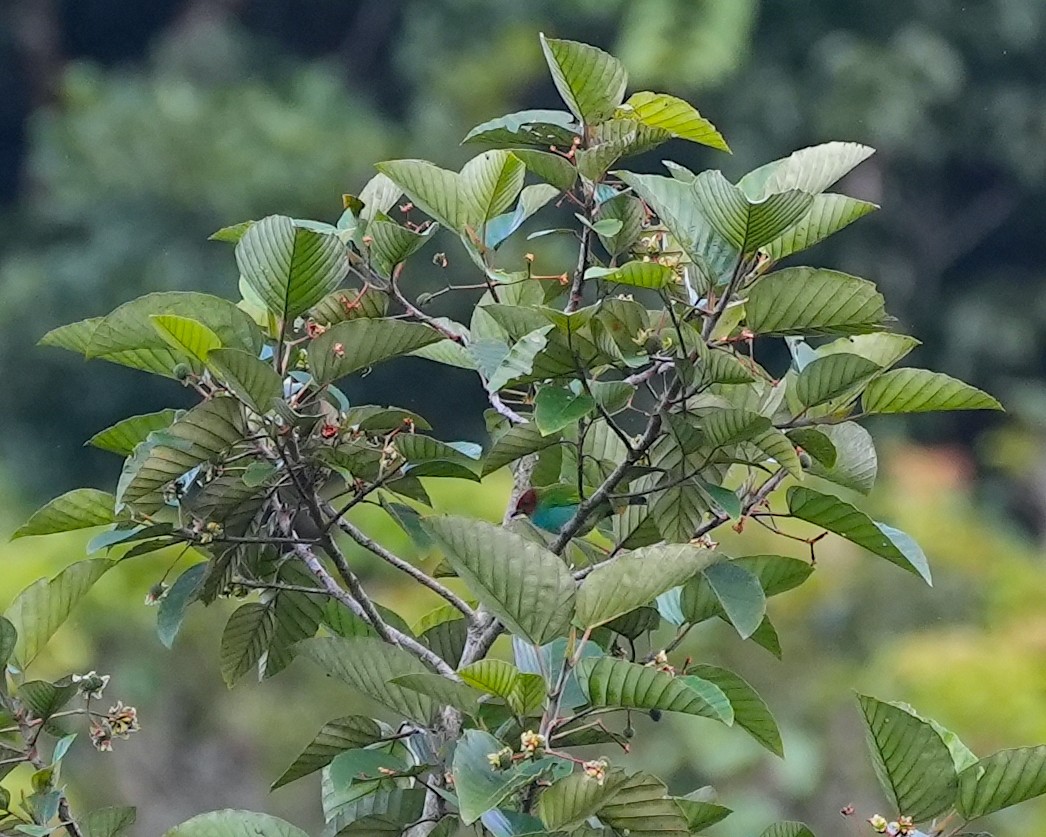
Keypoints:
(524, 585)
(750, 711)
(679, 118)
(186, 335)
(337, 736)
(251, 380)
(124, 436)
(479, 787)
(608, 682)
(1002, 779)
(807, 300)
(636, 578)
(591, 82)
(288, 267)
(82, 508)
(746, 224)
(351, 346)
(230, 823)
(556, 408)
(41, 609)
(838, 516)
(639, 274)
(923, 391)
(522, 691)
(911, 760)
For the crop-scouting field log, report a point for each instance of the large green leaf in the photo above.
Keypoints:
(480, 787)
(251, 380)
(831, 376)
(1002, 779)
(490, 184)
(750, 711)
(591, 82)
(74, 337)
(729, 589)
(445, 692)
(81, 508)
(247, 636)
(556, 408)
(381, 812)
(856, 463)
(811, 169)
(827, 215)
(370, 665)
(912, 762)
(746, 224)
(39, 610)
(843, 519)
(554, 169)
(124, 436)
(435, 191)
(350, 304)
(184, 334)
(108, 822)
(608, 682)
(171, 612)
(638, 274)
(636, 578)
(337, 736)
(432, 458)
(642, 808)
(522, 691)
(351, 346)
(575, 798)
(391, 243)
(128, 335)
(923, 391)
(807, 300)
(200, 435)
(882, 347)
(679, 118)
(538, 128)
(230, 823)
(529, 588)
(290, 268)
(515, 443)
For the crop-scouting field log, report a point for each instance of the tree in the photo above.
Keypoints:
(626, 397)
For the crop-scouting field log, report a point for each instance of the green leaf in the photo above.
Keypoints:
(124, 436)
(701, 814)
(629, 212)
(230, 823)
(74, 337)
(251, 380)
(200, 435)
(445, 692)
(556, 408)
(641, 808)
(776, 573)
(591, 82)
(435, 191)
(911, 760)
(831, 376)
(186, 335)
(490, 184)
(381, 812)
(41, 608)
(128, 336)
(766, 637)
(843, 519)
(750, 711)
(82, 508)
(184, 591)
(480, 787)
(807, 300)
(337, 736)
(726, 588)
(575, 798)
(922, 391)
(668, 113)
(290, 268)
(247, 636)
(515, 443)
(370, 665)
(432, 458)
(746, 224)
(1002, 779)
(608, 682)
(828, 214)
(523, 692)
(554, 169)
(856, 463)
(538, 128)
(811, 169)
(529, 588)
(612, 396)
(788, 829)
(8, 641)
(351, 346)
(232, 233)
(817, 443)
(638, 274)
(636, 578)
(108, 822)
(44, 699)
(350, 304)
(392, 243)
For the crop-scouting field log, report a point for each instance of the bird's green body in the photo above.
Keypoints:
(552, 507)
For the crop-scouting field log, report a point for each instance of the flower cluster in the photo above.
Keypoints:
(901, 827)
(596, 769)
(532, 743)
(119, 722)
(92, 684)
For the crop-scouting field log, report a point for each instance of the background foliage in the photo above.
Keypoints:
(129, 145)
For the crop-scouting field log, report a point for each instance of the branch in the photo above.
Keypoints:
(388, 557)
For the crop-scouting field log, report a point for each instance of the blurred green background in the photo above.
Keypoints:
(130, 131)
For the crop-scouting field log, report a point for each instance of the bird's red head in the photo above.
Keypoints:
(527, 502)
